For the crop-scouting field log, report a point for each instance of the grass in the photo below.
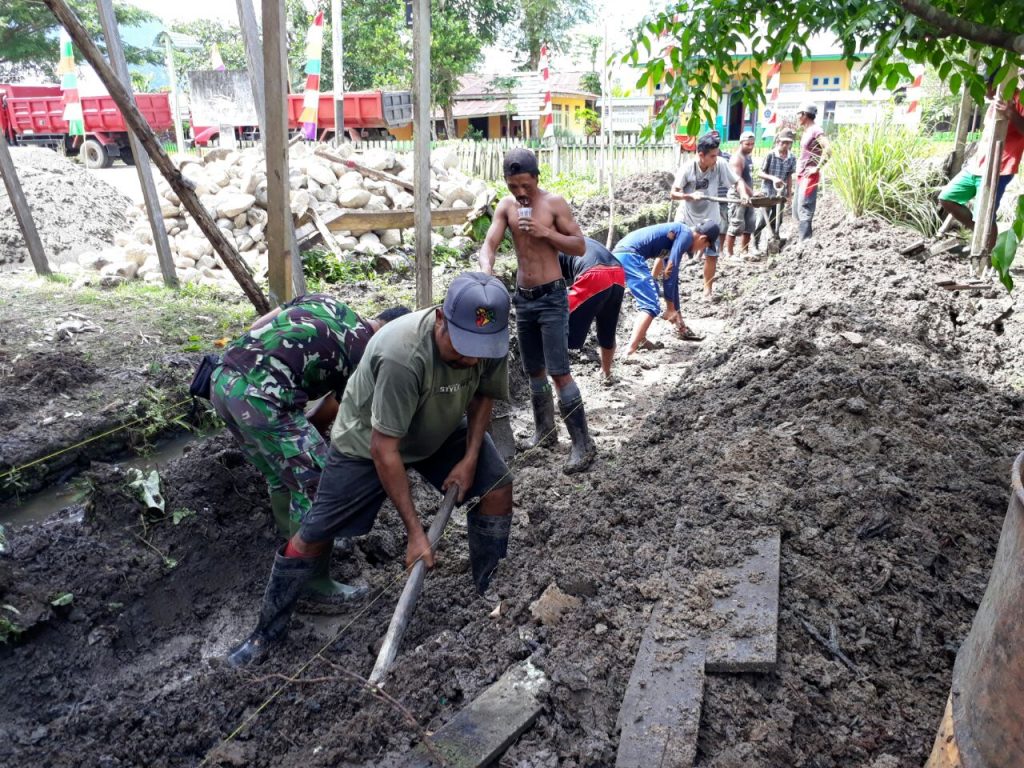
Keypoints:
(571, 186)
(887, 171)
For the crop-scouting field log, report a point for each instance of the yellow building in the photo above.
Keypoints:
(821, 72)
(493, 110)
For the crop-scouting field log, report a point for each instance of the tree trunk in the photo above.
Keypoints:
(449, 121)
(997, 37)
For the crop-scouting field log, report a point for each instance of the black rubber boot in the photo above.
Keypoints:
(488, 544)
(583, 449)
(544, 432)
(287, 580)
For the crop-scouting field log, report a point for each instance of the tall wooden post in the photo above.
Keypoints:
(275, 144)
(21, 210)
(610, 138)
(172, 76)
(254, 60)
(137, 123)
(421, 152)
(115, 53)
(963, 123)
(339, 73)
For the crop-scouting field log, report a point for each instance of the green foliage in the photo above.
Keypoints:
(158, 415)
(454, 51)
(9, 630)
(227, 37)
(591, 82)
(572, 186)
(322, 266)
(1006, 247)
(700, 37)
(882, 170)
(182, 514)
(28, 35)
(547, 21)
(591, 120)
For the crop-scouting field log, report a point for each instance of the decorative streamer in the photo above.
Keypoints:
(69, 85)
(774, 85)
(311, 96)
(547, 124)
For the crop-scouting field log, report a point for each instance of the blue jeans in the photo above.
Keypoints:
(542, 325)
(640, 282)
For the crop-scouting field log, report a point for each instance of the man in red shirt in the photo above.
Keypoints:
(965, 185)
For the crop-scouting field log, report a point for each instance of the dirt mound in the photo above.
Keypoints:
(73, 210)
(840, 397)
(632, 194)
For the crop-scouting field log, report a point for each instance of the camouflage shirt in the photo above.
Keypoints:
(309, 349)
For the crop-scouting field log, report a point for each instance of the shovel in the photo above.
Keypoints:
(407, 602)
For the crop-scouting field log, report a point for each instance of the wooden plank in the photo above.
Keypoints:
(115, 52)
(325, 233)
(945, 753)
(373, 173)
(481, 732)
(22, 212)
(126, 104)
(422, 121)
(660, 714)
(748, 642)
(358, 222)
(275, 142)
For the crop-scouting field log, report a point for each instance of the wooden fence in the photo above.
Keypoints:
(585, 156)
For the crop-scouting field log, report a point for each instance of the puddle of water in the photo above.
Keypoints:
(49, 501)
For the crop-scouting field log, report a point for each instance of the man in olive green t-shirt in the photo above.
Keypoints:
(421, 398)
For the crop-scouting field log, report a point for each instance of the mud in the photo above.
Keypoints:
(632, 195)
(882, 455)
(73, 210)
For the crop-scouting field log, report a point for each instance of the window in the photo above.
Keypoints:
(835, 81)
(814, 81)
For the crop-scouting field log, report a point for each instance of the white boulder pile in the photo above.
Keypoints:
(232, 186)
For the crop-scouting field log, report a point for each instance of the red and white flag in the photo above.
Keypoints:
(547, 122)
(772, 110)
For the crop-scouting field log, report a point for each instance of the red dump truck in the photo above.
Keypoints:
(33, 114)
(372, 112)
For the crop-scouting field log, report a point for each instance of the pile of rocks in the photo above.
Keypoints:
(232, 186)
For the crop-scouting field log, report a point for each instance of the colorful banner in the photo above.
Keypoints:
(547, 124)
(69, 85)
(311, 96)
(771, 111)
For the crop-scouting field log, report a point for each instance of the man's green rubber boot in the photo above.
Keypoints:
(325, 595)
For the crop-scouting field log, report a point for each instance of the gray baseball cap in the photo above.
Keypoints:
(809, 108)
(747, 135)
(476, 309)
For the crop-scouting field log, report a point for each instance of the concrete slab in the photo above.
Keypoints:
(660, 714)
(481, 732)
(748, 642)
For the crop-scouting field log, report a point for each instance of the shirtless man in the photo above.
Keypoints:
(542, 225)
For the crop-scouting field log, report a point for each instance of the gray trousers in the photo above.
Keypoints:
(805, 200)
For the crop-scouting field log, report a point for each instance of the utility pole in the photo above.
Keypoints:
(421, 152)
(339, 73)
(115, 54)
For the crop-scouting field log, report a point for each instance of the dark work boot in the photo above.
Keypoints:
(325, 595)
(287, 580)
(488, 543)
(583, 449)
(280, 508)
(544, 432)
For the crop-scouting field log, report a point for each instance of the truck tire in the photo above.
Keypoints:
(95, 154)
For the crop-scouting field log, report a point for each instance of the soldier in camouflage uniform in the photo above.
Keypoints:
(296, 354)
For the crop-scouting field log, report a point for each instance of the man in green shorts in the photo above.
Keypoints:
(305, 350)
(421, 399)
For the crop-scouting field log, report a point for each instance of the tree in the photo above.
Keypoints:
(28, 34)
(227, 37)
(547, 21)
(697, 39)
(454, 51)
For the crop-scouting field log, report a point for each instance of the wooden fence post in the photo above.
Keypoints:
(115, 52)
(22, 212)
(421, 152)
(138, 124)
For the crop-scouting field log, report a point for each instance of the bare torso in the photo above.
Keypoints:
(538, 258)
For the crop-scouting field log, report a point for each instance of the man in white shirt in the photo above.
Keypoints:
(698, 179)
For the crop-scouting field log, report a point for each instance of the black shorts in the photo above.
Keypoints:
(350, 493)
(603, 307)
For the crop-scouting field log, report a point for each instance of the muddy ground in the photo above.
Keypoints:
(882, 455)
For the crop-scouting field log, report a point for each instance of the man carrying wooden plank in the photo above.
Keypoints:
(291, 356)
(420, 399)
(542, 226)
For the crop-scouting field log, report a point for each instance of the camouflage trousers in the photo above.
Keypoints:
(282, 444)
